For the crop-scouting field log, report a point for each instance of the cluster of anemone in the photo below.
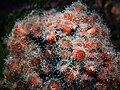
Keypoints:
(68, 50)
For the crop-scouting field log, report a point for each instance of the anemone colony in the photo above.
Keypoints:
(68, 50)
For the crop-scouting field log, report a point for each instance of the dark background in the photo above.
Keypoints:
(11, 10)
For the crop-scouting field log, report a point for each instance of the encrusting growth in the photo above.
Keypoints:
(68, 50)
